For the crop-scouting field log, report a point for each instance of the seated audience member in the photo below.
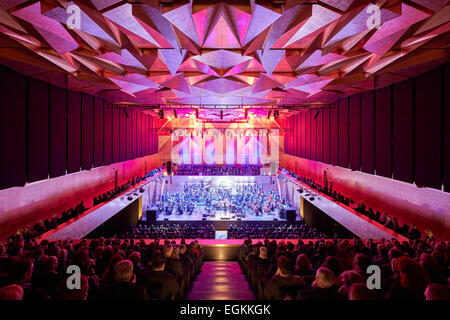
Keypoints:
(412, 283)
(135, 258)
(359, 291)
(173, 264)
(349, 278)
(283, 280)
(48, 279)
(262, 263)
(323, 288)
(122, 288)
(11, 292)
(185, 258)
(20, 273)
(303, 266)
(360, 264)
(433, 269)
(413, 233)
(435, 291)
(160, 285)
(63, 292)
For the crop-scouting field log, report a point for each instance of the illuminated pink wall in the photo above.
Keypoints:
(427, 208)
(21, 206)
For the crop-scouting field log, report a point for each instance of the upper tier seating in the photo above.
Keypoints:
(385, 219)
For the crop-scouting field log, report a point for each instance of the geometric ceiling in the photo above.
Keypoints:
(228, 53)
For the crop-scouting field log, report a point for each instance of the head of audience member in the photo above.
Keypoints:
(158, 262)
(431, 266)
(263, 253)
(64, 293)
(135, 258)
(284, 266)
(302, 263)
(349, 278)
(123, 271)
(21, 270)
(412, 276)
(175, 253)
(359, 291)
(324, 278)
(167, 251)
(51, 264)
(332, 263)
(437, 291)
(361, 262)
(11, 292)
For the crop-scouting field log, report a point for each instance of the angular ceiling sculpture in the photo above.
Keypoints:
(247, 53)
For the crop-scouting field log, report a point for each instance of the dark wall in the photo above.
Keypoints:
(400, 131)
(48, 131)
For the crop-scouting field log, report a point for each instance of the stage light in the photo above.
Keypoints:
(316, 114)
(196, 113)
(221, 114)
(175, 113)
(268, 114)
(161, 114)
(276, 114)
(246, 113)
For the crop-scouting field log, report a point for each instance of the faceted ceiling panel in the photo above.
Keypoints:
(229, 53)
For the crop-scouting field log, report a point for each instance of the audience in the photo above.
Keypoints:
(111, 269)
(273, 231)
(171, 231)
(332, 269)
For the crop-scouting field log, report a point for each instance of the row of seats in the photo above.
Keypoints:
(111, 269)
(338, 270)
(171, 231)
(273, 231)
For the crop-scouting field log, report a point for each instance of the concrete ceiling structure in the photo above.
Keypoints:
(241, 53)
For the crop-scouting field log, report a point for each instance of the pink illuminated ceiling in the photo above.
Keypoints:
(235, 53)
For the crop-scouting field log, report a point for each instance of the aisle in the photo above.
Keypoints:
(220, 280)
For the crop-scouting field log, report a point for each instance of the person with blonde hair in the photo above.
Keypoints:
(323, 288)
(123, 287)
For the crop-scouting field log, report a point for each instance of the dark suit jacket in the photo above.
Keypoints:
(122, 291)
(275, 286)
(160, 285)
(320, 294)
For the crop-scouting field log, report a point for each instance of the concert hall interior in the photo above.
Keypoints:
(225, 150)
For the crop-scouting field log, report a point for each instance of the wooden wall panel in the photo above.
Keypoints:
(87, 132)
(326, 134)
(355, 132)
(402, 140)
(343, 133)
(98, 132)
(367, 132)
(334, 134)
(74, 132)
(58, 131)
(428, 129)
(12, 129)
(38, 127)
